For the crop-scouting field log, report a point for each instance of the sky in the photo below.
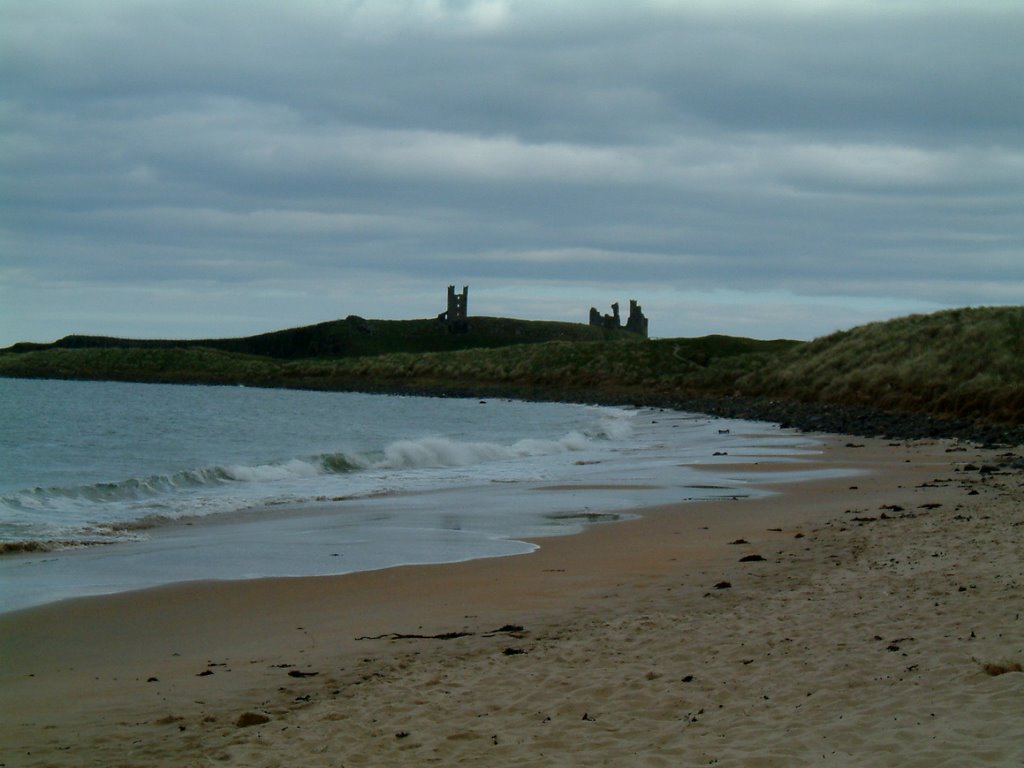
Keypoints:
(778, 168)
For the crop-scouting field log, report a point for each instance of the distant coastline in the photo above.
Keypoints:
(958, 373)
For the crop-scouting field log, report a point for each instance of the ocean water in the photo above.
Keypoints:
(112, 486)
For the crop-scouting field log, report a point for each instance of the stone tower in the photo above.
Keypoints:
(636, 322)
(457, 314)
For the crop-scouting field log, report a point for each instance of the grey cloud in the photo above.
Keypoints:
(864, 152)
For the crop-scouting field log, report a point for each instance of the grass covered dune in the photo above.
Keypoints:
(960, 367)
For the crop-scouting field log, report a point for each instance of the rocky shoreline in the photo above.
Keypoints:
(855, 420)
(808, 417)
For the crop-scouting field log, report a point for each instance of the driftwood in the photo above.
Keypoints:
(401, 636)
(508, 628)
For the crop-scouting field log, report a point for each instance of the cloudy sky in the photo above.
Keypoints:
(762, 168)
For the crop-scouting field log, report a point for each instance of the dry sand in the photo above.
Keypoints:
(860, 638)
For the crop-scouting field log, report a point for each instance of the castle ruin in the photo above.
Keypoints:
(456, 316)
(635, 323)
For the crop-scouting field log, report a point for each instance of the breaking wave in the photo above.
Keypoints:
(430, 452)
(119, 510)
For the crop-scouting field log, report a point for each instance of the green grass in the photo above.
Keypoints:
(176, 366)
(966, 363)
(623, 368)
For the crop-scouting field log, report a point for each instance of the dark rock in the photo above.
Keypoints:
(251, 718)
(850, 419)
(509, 628)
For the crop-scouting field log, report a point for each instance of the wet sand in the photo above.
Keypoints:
(846, 621)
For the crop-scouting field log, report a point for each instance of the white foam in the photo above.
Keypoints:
(265, 473)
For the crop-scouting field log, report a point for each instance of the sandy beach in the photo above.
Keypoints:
(872, 620)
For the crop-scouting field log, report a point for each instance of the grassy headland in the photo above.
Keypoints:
(356, 337)
(965, 364)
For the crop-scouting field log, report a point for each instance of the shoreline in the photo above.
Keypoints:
(344, 534)
(818, 417)
(581, 650)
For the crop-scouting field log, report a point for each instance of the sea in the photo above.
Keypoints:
(107, 487)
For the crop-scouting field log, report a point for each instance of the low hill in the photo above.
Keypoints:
(355, 336)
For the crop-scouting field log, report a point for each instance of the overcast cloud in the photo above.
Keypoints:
(768, 169)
